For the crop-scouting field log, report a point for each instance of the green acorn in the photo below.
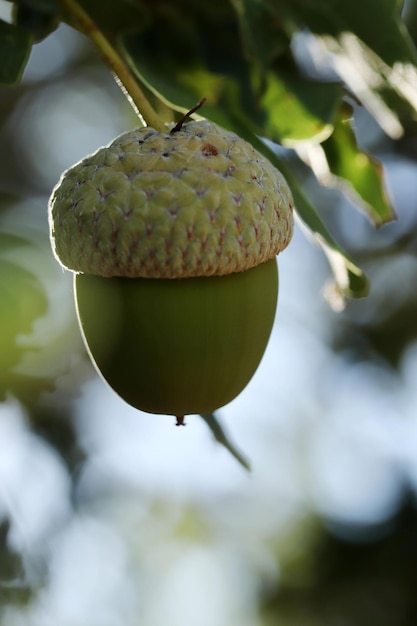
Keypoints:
(172, 237)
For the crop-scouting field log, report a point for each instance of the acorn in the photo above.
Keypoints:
(173, 237)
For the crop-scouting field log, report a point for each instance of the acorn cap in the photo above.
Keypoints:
(199, 201)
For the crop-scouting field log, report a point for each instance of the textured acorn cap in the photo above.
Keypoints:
(200, 201)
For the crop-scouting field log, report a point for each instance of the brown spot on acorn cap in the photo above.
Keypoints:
(196, 202)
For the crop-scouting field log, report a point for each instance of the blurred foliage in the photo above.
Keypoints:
(360, 577)
(388, 326)
(39, 20)
(23, 300)
(15, 46)
(359, 174)
(12, 575)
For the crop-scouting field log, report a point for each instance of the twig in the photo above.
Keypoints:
(112, 58)
(185, 117)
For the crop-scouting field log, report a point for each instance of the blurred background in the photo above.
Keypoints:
(112, 517)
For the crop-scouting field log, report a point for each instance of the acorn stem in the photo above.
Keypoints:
(124, 77)
(185, 117)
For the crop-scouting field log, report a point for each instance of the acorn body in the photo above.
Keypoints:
(173, 237)
(178, 346)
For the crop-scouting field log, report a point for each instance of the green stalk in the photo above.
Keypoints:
(124, 77)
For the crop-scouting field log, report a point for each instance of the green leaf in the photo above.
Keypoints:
(376, 23)
(296, 109)
(113, 17)
(370, 49)
(39, 20)
(357, 174)
(22, 301)
(221, 437)
(349, 279)
(10, 241)
(286, 107)
(15, 47)
(262, 34)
